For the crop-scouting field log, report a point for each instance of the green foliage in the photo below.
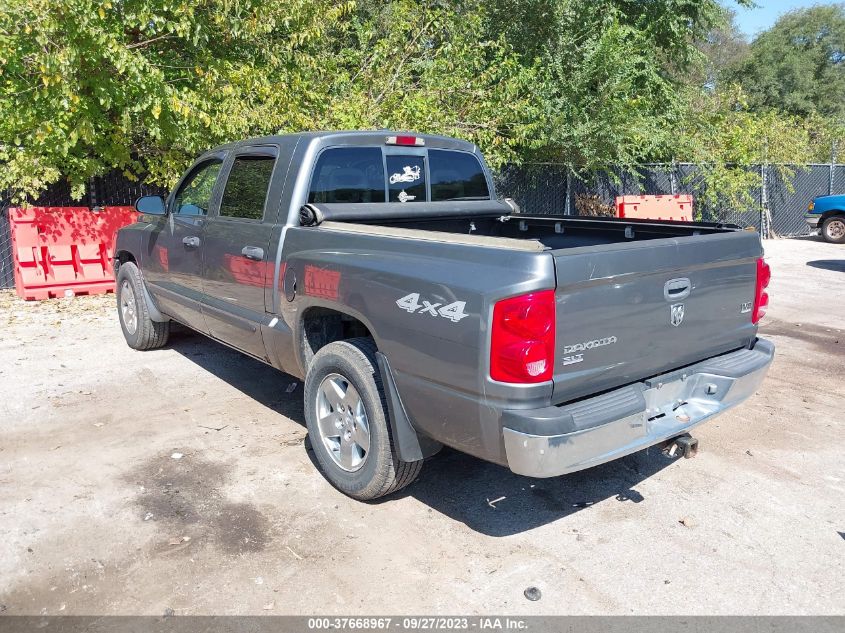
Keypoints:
(142, 85)
(422, 66)
(771, 102)
(607, 73)
(798, 66)
(726, 138)
(145, 85)
(722, 48)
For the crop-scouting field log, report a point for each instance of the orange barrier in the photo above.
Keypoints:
(61, 250)
(670, 207)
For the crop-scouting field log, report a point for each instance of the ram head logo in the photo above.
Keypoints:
(676, 314)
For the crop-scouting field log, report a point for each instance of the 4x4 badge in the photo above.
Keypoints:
(677, 314)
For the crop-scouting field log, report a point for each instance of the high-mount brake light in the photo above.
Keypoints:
(522, 342)
(761, 297)
(405, 140)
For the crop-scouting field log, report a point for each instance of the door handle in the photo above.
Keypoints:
(677, 289)
(191, 241)
(253, 252)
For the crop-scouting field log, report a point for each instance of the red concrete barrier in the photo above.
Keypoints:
(61, 250)
(668, 207)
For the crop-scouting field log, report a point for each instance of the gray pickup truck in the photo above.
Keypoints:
(421, 310)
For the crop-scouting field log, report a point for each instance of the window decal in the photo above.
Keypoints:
(409, 174)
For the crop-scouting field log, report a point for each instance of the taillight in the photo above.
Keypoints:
(761, 297)
(522, 343)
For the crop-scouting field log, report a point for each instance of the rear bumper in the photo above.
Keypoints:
(812, 219)
(557, 440)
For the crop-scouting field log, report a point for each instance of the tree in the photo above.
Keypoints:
(611, 73)
(728, 141)
(145, 85)
(723, 48)
(798, 66)
(141, 85)
(431, 67)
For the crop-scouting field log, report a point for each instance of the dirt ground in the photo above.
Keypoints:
(99, 514)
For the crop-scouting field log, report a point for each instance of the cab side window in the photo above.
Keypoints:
(246, 187)
(194, 195)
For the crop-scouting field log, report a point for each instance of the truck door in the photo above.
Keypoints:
(173, 266)
(235, 251)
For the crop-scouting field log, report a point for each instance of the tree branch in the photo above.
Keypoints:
(149, 41)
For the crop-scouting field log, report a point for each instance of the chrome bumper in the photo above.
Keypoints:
(812, 219)
(632, 418)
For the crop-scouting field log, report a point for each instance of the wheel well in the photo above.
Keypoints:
(321, 326)
(830, 214)
(120, 258)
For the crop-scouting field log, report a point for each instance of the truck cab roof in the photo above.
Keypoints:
(349, 137)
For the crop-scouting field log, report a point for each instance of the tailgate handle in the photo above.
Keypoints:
(677, 289)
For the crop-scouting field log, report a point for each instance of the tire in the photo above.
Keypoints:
(139, 330)
(833, 229)
(338, 373)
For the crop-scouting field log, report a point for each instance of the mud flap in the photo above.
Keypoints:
(410, 446)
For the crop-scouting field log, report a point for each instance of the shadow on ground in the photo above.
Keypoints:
(487, 498)
(253, 378)
(462, 488)
(836, 265)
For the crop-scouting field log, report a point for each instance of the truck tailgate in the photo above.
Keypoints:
(629, 311)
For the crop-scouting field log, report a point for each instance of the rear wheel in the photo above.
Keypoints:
(139, 330)
(346, 416)
(833, 229)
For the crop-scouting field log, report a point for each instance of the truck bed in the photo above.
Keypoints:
(634, 298)
(495, 219)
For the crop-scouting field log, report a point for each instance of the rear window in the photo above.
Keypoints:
(406, 182)
(456, 176)
(348, 174)
(357, 174)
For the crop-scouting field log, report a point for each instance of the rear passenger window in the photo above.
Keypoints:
(406, 180)
(348, 174)
(456, 176)
(246, 187)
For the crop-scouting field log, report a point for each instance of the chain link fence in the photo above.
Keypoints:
(838, 179)
(552, 189)
(110, 190)
(115, 189)
(7, 274)
(548, 189)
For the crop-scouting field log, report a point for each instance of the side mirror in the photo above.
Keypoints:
(150, 205)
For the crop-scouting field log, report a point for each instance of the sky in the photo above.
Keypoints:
(752, 21)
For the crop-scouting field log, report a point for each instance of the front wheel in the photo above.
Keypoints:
(833, 229)
(139, 330)
(346, 416)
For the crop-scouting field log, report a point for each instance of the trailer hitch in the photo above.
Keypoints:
(686, 444)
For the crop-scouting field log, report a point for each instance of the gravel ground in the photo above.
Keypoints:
(132, 483)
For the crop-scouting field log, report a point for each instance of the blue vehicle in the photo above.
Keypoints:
(828, 214)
